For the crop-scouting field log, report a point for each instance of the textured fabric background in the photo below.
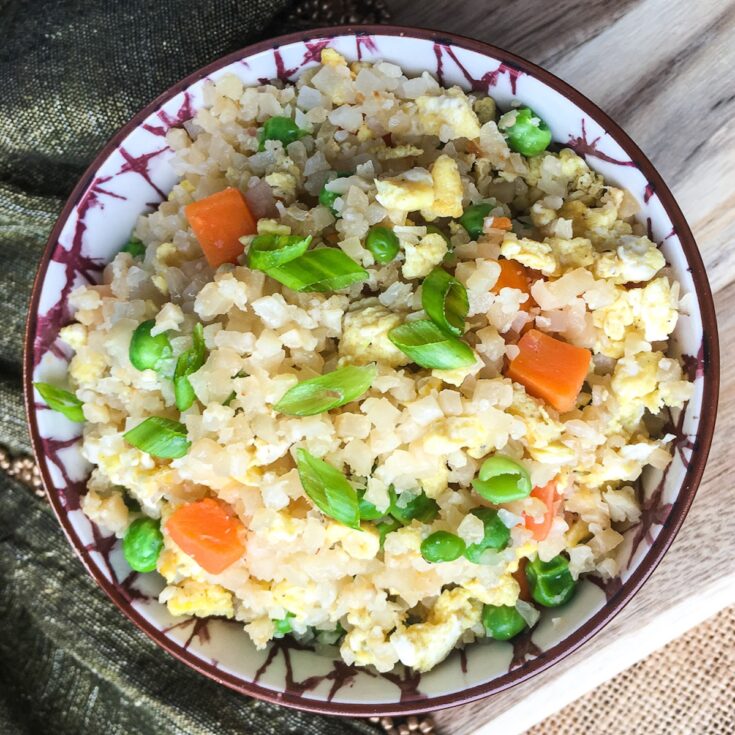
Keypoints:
(686, 688)
(71, 73)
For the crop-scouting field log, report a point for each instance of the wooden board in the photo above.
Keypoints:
(663, 70)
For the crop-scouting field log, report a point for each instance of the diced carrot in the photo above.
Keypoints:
(547, 495)
(550, 369)
(514, 275)
(209, 532)
(219, 221)
(501, 223)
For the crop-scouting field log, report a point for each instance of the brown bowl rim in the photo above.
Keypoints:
(688, 488)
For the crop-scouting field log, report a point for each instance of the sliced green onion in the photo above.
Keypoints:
(473, 218)
(58, 399)
(445, 301)
(159, 437)
(386, 526)
(328, 489)
(327, 391)
(325, 269)
(189, 362)
(279, 128)
(368, 512)
(502, 479)
(133, 246)
(269, 251)
(421, 507)
(147, 352)
(429, 347)
(383, 243)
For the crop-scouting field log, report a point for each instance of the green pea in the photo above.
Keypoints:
(142, 544)
(279, 128)
(420, 507)
(327, 198)
(442, 546)
(382, 243)
(529, 134)
(283, 626)
(146, 351)
(502, 622)
(386, 526)
(368, 512)
(473, 217)
(497, 535)
(133, 246)
(551, 582)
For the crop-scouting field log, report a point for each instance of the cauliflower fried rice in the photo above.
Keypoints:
(410, 156)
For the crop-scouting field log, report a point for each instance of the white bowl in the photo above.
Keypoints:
(132, 174)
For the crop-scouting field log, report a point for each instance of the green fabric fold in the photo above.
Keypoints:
(71, 73)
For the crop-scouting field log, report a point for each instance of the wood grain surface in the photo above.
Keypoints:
(663, 69)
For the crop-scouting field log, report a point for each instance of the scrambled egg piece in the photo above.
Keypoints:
(456, 376)
(447, 116)
(505, 592)
(367, 644)
(447, 189)
(485, 109)
(422, 257)
(541, 429)
(424, 645)
(570, 254)
(272, 227)
(359, 544)
(330, 57)
(651, 310)
(532, 254)
(387, 153)
(75, 335)
(647, 380)
(636, 260)
(408, 192)
(365, 337)
(656, 307)
(202, 599)
(283, 183)
(457, 432)
(87, 366)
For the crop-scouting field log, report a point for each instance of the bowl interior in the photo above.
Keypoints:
(133, 174)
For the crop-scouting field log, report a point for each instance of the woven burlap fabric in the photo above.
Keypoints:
(71, 73)
(686, 688)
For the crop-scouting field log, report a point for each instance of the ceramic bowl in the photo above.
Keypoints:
(132, 174)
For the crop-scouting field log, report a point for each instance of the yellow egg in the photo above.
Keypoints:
(422, 257)
(447, 189)
(365, 337)
(448, 116)
(408, 192)
(202, 599)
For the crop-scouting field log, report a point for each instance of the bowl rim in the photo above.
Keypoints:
(692, 478)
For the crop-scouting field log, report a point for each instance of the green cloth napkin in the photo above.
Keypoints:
(71, 73)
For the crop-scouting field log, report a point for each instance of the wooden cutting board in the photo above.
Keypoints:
(664, 70)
